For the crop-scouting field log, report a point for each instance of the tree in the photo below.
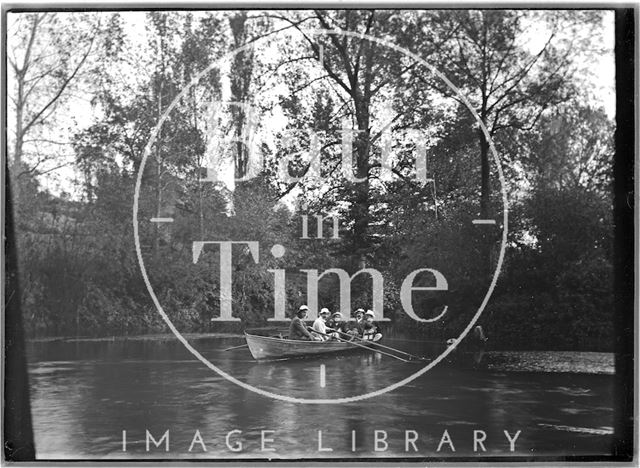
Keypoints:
(509, 85)
(573, 149)
(360, 74)
(44, 71)
(80, 273)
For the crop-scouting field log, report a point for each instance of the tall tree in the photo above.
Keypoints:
(43, 72)
(362, 75)
(241, 77)
(509, 82)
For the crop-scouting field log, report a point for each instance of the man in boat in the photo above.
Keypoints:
(371, 329)
(357, 328)
(337, 327)
(320, 324)
(297, 328)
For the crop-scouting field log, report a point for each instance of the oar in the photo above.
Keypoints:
(361, 346)
(382, 346)
(387, 347)
(414, 341)
(235, 347)
(393, 349)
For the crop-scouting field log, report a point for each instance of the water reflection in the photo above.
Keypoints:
(85, 394)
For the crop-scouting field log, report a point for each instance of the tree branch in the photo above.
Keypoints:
(61, 89)
(341, 50)
(366, 32)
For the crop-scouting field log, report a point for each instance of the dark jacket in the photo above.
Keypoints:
(371, 329)
(358, 326)
(298, 330)
(338, 326)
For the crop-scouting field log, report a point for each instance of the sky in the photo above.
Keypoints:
(81, 113)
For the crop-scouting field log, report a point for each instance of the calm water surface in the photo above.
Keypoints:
(86, 393)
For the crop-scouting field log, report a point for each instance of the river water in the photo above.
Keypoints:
(87, 394)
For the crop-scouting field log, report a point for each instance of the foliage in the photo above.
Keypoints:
(79, 269)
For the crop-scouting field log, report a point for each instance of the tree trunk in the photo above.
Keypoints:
(362, 101)
(156, 234)
(21, 72)
(360, 208)
(485, 205)
(240, 83)
(199, 178)
(485, 179)
(17, 151)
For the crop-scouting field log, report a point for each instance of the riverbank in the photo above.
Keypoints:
(150, 337)
(582, 362)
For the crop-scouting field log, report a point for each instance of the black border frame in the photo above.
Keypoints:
(18, 423)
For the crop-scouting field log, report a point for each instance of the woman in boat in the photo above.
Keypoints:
(297, 328)
(371, 329)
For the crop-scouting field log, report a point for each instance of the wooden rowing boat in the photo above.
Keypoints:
(267, 347)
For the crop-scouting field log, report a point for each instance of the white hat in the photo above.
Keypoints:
(303, 307)
(336, 314)
(324, 310)
(370, 312)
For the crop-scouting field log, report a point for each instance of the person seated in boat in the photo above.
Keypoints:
(320, 324)
(356, 328)
(337, 327)
(297, 328)
(371, 329)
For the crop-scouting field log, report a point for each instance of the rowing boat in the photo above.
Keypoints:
(268, 347)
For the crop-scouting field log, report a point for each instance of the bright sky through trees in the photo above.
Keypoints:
(79, 109)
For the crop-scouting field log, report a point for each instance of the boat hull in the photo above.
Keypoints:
(265, 347)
